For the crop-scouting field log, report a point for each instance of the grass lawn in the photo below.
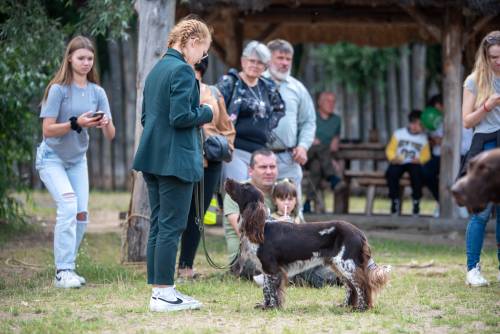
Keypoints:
(426, 294)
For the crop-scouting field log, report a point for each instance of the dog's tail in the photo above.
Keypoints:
(377, 276)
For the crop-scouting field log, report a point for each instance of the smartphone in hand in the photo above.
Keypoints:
(99, 114)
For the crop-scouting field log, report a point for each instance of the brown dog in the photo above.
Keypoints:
(481, 184)
(282, 250)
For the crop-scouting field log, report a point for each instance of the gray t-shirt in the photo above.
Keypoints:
(491, 122)
(64, 102)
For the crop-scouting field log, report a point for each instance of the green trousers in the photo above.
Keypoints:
(170, 199)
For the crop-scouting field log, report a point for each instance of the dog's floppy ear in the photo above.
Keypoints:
(254, 218)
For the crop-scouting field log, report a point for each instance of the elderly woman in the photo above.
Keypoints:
(253, 104)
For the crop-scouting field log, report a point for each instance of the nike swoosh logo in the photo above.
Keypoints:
(178, 301)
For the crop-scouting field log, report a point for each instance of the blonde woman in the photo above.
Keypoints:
(73, 102)
(481, 111)
(170, 157)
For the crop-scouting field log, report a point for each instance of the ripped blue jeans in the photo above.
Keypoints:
(68, 185)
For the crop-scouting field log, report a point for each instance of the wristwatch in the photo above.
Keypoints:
(74, 124)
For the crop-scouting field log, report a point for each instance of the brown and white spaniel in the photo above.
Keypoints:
(281, 250)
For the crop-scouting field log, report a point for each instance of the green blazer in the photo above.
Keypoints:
(170, 144)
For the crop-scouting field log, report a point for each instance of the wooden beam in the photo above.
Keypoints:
(266, 33)
(318, 14)
(423, 21)
(476, 27)
(452, 92)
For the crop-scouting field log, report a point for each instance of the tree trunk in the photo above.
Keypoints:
(404, 84)
(450, 147)
(418, 75)
(156, 18)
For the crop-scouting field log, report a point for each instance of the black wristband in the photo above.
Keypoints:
(74, 124)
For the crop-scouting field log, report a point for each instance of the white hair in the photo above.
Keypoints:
(257, 49)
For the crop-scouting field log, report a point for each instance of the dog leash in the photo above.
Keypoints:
(199, 200)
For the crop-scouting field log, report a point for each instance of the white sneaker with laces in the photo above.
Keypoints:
(474, 277)
(82, 279)
(66, 279)
(259, 280)
(169, 299)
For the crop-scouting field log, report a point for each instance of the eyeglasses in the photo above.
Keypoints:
(255, 62)
(205, 55)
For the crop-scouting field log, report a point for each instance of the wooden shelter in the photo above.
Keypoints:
(457, 25)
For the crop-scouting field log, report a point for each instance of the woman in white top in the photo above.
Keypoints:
(481, 111)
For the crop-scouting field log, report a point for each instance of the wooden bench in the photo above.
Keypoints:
(371, 179)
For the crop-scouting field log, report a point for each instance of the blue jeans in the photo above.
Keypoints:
(68, 185)
(474, 236)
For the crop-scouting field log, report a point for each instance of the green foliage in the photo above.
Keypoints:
(31, 47)
(358, 68)
(106, 18)
(33, 34)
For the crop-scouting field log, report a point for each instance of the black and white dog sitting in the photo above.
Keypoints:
(281, 250)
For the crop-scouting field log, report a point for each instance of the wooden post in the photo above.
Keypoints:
(118, 173)
(129, 76)
(418, 76)
(156, 18)
(452, 97)
(392, 98)
(380, 112)
(404, 83)
(233, 36)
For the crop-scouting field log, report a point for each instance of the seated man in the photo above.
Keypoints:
(320, 161)
(407, 151)
(263, 173)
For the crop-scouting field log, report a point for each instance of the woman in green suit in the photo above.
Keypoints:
(170, 156)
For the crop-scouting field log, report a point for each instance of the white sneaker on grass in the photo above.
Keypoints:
(66, 279)
(81, 279)
(474, 277)
(169, 299)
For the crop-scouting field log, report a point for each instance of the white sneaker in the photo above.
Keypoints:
(153, 299)
(259, 280)
(474, 277)
(169, 299)
(81, 279)
(66, 279)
